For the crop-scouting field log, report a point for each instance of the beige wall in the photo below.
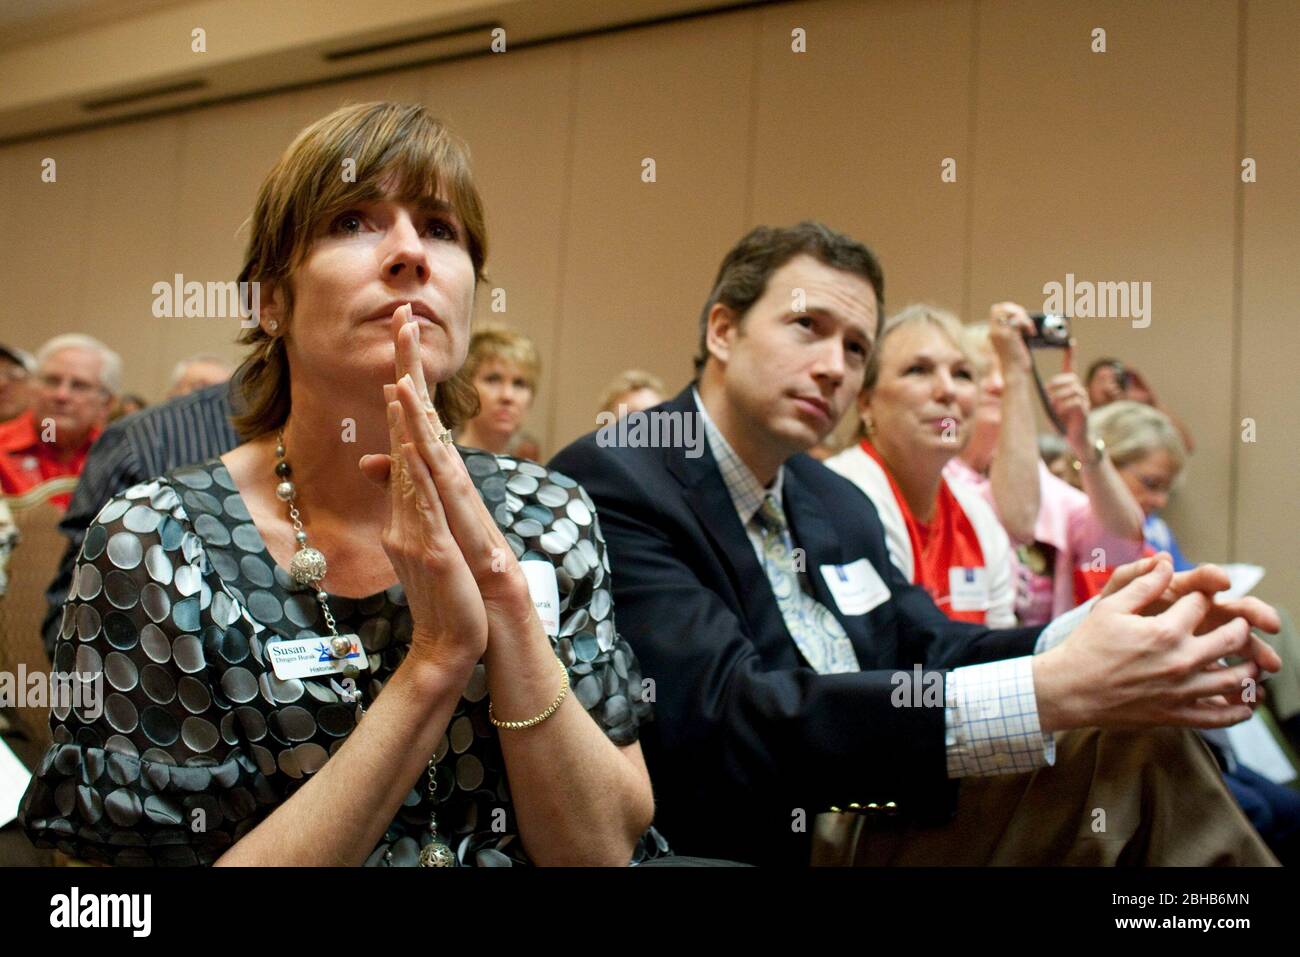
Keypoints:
(1266, 360)
(1099, 165)
(1114, 166)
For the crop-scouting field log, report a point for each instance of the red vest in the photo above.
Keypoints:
(945, 547)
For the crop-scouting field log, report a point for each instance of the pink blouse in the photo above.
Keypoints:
(1068, 535)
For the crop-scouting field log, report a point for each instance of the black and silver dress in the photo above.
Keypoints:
(195, 741)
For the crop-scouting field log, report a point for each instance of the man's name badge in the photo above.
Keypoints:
(312, 657)
(857, 587)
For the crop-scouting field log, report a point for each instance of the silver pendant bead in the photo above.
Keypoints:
(284, 491)
(437, 854)
(340, 646)
(307, 566)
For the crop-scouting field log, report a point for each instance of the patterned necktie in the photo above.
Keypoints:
(817, 633)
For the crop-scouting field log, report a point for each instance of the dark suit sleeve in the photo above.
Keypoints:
(727, 727)
(110, 469)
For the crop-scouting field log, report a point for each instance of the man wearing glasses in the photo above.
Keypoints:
(77, 378)
(16, 369)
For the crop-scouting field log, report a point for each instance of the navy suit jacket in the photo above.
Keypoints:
(746, 736)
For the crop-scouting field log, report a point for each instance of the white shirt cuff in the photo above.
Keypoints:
(991, 720)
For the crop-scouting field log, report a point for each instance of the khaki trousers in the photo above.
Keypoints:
(1152, 797)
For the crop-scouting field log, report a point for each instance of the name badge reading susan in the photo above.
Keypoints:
(311, 657)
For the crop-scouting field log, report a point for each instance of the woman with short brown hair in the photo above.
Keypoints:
(247, 611)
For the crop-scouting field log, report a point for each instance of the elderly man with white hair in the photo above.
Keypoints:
(198, 372)
(77, 378)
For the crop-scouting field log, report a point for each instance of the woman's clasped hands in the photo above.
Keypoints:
(459, 574)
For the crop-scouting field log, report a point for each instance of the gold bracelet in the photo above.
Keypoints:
(517, 725)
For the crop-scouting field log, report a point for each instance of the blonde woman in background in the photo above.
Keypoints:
(1069, 538)
(917, 406)
(632, 390)
(503, 366)
(1149, 453)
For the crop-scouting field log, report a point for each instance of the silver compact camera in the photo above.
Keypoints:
(1050, 332)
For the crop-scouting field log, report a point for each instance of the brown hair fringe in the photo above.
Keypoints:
(305, 187)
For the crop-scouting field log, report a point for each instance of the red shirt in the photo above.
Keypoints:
(26, 461)
(947, 544)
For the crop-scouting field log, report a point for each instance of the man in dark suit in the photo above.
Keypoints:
(793, 668)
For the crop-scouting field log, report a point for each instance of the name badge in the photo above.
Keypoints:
(857, 587)
(545, 593)
(311, 658)
(968, 589)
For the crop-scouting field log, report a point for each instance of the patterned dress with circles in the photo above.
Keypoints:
(195, 741)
